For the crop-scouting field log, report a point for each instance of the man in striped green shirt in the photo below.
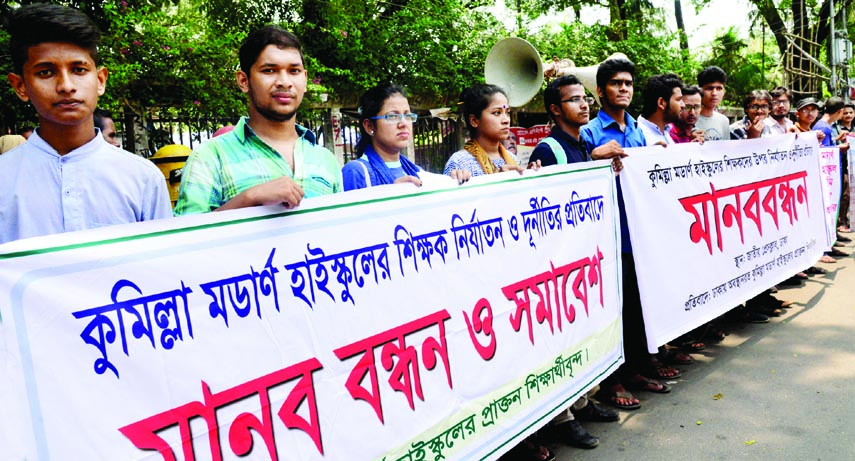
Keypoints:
(267, 159)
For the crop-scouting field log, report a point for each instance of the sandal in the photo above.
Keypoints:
(640, 383)
(676, 357)
(836, 252)
(709, 333)
(714, 333)
(692, 346)
(615, 394)
(827, 259)
(661, 371)
(768, 311)
(813, 270)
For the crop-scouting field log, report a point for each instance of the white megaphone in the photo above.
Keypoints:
(515, 65)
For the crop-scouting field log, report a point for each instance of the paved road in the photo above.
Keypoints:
(787, 389)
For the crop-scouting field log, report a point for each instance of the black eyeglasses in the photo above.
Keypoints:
(758, 107)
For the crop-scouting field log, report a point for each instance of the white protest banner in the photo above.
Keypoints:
(444, 323)
(714, 225)
(829, 169)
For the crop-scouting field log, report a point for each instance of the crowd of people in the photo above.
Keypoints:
(64, 178)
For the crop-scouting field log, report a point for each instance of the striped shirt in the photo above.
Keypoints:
(227, 165)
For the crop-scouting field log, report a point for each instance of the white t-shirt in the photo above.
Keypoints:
(716, 128)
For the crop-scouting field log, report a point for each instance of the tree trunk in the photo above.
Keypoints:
(776, 24)
(617, 28)
(681, 28)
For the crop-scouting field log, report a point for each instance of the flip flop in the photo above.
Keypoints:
(813, 270)
(661, 371)
(648, 385)
(613, 396)
(692, 346)
(676, 357)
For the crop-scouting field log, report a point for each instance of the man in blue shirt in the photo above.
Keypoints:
(833, 112)
(615, 88)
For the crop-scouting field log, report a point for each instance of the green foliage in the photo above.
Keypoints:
(434, 48)
(745, 69)
(14, 113)
(164, 57)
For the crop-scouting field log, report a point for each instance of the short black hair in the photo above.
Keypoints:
(833, 104)
(755, 95)
(38, 23)
(712, 74)
(850, 105)
(370, 104)
(691, 90)
(609, 68)
(258, 40)
(779, 91)
(474, 100)
(99, 115)
(659, 86)
(552, 93)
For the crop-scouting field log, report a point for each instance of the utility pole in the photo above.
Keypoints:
(763, 53)
(832, 45)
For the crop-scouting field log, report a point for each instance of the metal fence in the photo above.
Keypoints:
(434, 139)
(158, 132)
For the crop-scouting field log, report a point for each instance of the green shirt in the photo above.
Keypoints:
(227, 165)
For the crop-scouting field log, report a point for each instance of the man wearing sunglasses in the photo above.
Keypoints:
(757, 105)
(268, 158)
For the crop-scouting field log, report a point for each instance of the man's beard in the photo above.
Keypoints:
(268, 113)
(672, 117)
(779, 117)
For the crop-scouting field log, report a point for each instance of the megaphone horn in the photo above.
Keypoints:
(515, 66)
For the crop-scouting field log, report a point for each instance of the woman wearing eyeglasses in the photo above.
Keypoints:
(487, 117)
(757, 105)
(386, 126)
